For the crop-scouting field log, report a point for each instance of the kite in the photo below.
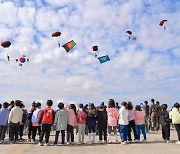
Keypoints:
(130, 33)
(95, 48)
(103, 59)
(56, 34)
(162, 23)
(6, 44)
(22, 60)
(69, 45)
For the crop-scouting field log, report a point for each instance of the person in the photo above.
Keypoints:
(14, 120)
(29, 118)
(123, 122)
(91, 123)
(11, 105)
(81, 122)
(24, 118)
(102, 123)
(60, 123)
(175, 116)
(36, 115)
(165, 123)
(4, 114)
(117, 105)
(146, 109)
(131, 125)
(71, 124)
(47, 120)
(158, 114)
(140, 122)
(153, 115)
(113, 115)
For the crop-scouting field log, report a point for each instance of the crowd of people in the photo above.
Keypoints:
(106, 121)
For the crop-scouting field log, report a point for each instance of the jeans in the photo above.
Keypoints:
(2, 131)
(166, 132)
(102, 131)
(34, 131)
(81, 132)
(70, 133)
(21, 129)
(123, 129)
(132, 126)
(62, 137)
(141, 128)
(14, 129)
(91, 129)
(29, 131)
(177, 127)
(46, 129)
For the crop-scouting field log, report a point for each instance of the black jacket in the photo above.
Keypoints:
(164, 118)
(102, 119)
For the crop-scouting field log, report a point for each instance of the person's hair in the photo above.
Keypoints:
(164, 107)
(138, 108)
(91, 106)
(101, 107)
(0, 106)
(146, 102)
(21, 105)
(157, 102)
(152, 100)
(176, 105)
(33, 104)
(12, 102)
(5, 105)
(17, 102)
(61, 105)
(130, 106)
(80, 105)
(111, 103)
(38, 104)
(124, 104)
(102, 103)
(71, 106)
(49, 102)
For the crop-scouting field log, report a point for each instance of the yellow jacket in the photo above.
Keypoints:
(175, 116)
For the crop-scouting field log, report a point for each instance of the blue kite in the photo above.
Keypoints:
(103, 59)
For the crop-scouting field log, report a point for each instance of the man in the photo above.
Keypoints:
(153, 115)
(158, 115)
(15, 119)
(146, 109)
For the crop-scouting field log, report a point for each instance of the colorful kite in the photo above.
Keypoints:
(22, 60)
(103, 59)
(6, 44)
(69, 45)
(95, 49)
(162, 23)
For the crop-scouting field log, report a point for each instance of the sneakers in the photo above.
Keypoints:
(39, 144)
(33, 142)
(123, 143)
(178, 142)
(29, 140)
(144, 140)
(100, 142)
(168, 141)
(68, 143)
(46, 144)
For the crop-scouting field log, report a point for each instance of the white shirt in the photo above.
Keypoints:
(123, 116)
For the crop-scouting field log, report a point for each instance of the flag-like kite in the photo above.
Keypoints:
(69, 45)
(103, 59)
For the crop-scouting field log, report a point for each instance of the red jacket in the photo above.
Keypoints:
(48, 116)
(81, 117)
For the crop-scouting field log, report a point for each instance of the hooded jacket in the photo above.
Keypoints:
(113, 116)
(81, 117)
(175, 115)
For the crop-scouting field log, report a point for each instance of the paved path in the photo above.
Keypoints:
(153, 146)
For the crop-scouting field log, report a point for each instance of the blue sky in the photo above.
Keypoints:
(138, 70)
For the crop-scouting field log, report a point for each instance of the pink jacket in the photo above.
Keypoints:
(113, 116)
(81, 117)
(71, 117)
(139, 117)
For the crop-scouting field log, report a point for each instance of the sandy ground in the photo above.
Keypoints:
(154, 145)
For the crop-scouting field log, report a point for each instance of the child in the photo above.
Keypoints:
(4, 114)
(131, 124)
(35, 121)
(47, 120)
(113, 115)
(102, 123)
(175, 116)
(123, 122)
(60, 123)
(81, 121)
(91, 123)
(71, 123)
(15, 119)
(165, 123)
(140, 122)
